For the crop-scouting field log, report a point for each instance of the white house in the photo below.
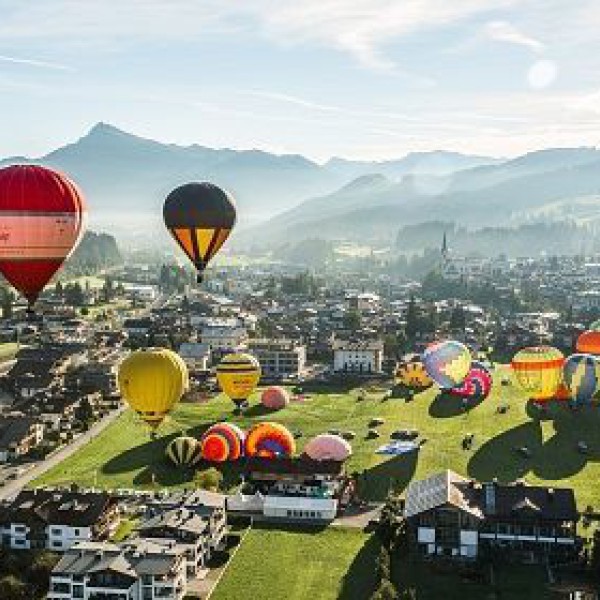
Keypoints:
(195, 355)
(279, 358)
(228, 335)
(357, 356)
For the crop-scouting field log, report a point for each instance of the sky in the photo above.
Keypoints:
(369, 79)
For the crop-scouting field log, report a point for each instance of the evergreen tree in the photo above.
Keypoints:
(412, 320)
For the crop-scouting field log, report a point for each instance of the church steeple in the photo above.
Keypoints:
(444, 251)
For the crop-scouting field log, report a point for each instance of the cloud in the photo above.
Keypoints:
(504, 31)
(28, 62)
(360, 28)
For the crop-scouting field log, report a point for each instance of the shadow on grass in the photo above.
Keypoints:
(259, 410)
(445, 406)
(360, 580)
(392, 474)
(498, 457)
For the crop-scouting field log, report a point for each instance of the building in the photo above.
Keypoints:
(18, 435)
(195, 355)
(450, 515)
(139, 570)
(279, 359)
(44, 518)
(291, 489)
(362, 357)
(226, 336)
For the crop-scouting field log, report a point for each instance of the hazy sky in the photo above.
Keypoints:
(356, 78)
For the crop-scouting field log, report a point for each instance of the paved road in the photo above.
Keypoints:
(12, 488)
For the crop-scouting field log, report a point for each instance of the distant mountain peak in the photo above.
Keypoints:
(105, 129)
(365, 183)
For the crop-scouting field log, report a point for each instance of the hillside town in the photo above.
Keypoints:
(59, 392)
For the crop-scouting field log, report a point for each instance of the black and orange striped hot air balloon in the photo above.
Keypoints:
(200, 216)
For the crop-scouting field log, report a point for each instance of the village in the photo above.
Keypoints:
(309, 331)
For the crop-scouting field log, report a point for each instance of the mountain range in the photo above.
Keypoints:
(286, 198)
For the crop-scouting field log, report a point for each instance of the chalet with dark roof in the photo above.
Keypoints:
(56, 520)
(450, 515)
(18, 435)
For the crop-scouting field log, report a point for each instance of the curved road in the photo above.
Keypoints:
(12, 488)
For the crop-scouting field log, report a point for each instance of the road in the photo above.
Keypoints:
(12, 488)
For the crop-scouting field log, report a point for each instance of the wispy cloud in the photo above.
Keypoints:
(29, 62)
(504, 31)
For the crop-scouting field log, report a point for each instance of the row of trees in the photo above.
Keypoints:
(24, 575)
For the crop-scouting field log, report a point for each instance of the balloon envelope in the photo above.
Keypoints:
(328, 446)
(152, 381)
(41, 221)
(589, 343)
(447, 363)
(581, 374)
(222, 442)
(183, 450)
(238, 375)
(200, 217)
(538, 370)
(477, 384)
(275, 398)
(270, 440)
(411, 372)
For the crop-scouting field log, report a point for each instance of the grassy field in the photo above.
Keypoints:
(320, 565)
(124, 455)
(8, 351)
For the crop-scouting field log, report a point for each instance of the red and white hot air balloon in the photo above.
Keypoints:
(41, 222)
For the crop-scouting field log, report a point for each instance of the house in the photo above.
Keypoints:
(450, 515)
(362, 357)
(290, 489)
(195, 355)
(56, 520)
(279, 359)
(139, 570)
(223, 335)
(18, 435)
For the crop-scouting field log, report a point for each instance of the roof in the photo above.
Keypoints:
(439, 490)
(50, 507)
(301, 465)
(14, 429)
(177, 519)
(490, 500)
(133, 559)
(300, 503)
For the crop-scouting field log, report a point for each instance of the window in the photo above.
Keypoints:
(77, 591)
(55, 531)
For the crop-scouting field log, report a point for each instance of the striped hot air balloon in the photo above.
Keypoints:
(222, 442)
(200, 216)
(581, 374)
(270, 440)
(238, 375)
(538, 370)
(477, 384)
(447, 363)
(589, 343)
(411, 373)
(184, 451)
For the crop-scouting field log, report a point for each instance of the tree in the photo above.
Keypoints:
(595, 555)
(458, 321)
(13, 588)
(210, 479)
(412, 319)
(352, 320)
(385, 591)
(7, 302)
(384, 565)
(74, 295)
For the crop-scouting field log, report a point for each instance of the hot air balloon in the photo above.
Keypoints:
(581, 373)
(238, 375)
(411, 373)
(222, 442)
(328, 446)
(447, 363)
(589, 343)
(270, 440)
(152, 381)
(538, 370)
(183, 451)
(41, 221)
(275, 398)
(200, 216)
(477, 384)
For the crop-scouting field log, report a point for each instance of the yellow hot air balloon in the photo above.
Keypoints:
(238, 375)
(538, 370)
(152, 381)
